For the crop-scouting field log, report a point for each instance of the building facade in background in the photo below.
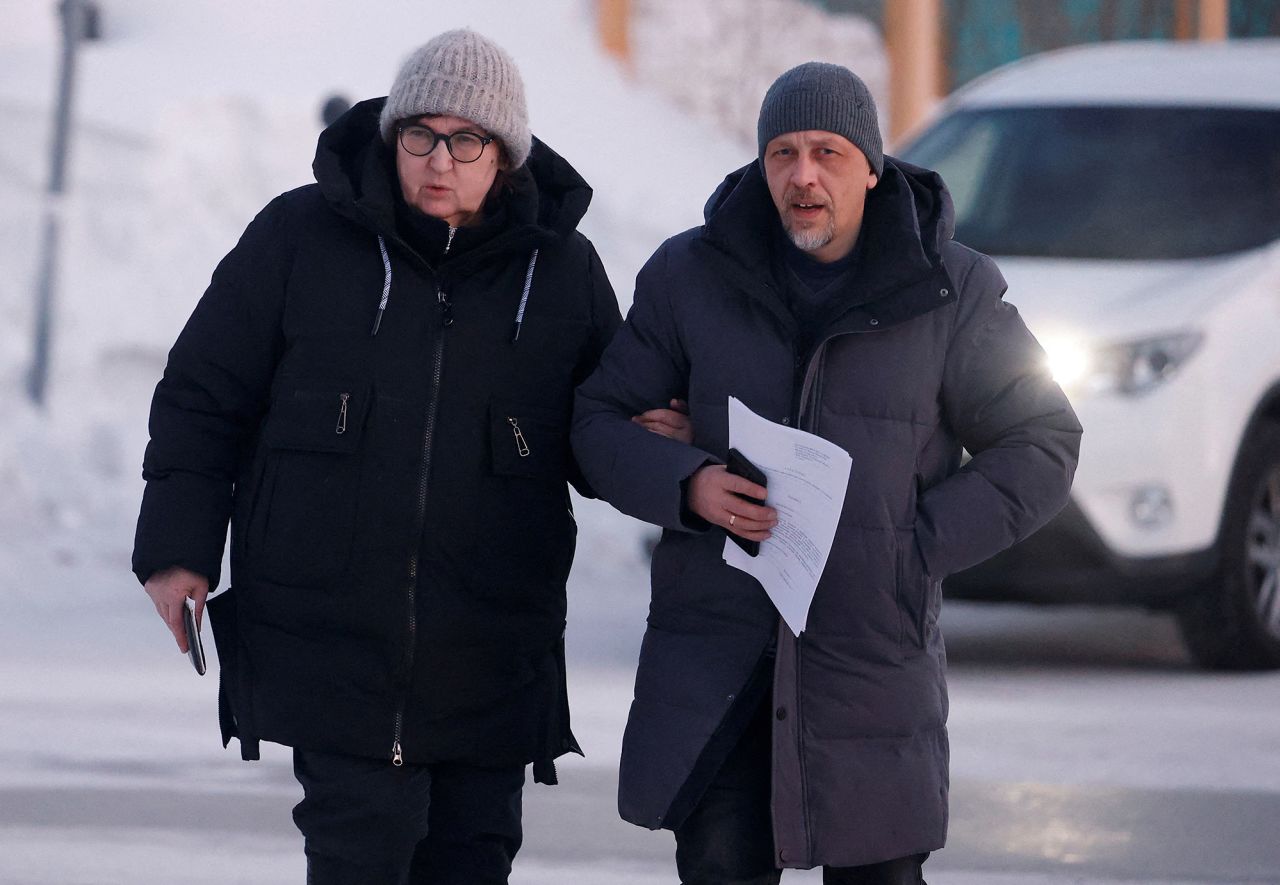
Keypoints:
(980, 35)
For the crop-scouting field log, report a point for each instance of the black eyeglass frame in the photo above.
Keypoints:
(438, 137)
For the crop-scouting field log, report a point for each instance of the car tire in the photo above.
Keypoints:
(1233, 621)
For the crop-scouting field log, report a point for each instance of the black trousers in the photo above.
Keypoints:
(367, 822)
(728, 837)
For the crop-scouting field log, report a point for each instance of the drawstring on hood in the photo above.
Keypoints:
(442, 297)
(524, 297)
(386, 284)
(543, 200)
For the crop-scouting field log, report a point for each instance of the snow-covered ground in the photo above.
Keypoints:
(192, 115)
(189, 117)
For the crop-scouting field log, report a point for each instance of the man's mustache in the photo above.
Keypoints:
(807, 198)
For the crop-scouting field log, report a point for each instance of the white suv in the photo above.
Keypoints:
(1131, 194)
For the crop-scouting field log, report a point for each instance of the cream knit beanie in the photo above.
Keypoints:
(462, 74)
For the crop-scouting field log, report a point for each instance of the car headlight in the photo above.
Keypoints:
(1131, 368)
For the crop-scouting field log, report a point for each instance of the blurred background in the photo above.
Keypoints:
(1129, 732)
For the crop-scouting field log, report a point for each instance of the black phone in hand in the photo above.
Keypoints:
(195, 648)
(738, 465)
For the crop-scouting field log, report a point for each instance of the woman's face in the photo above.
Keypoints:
(437, 184)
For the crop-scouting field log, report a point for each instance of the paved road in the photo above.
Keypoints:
(1086, 750)
(1035, 831)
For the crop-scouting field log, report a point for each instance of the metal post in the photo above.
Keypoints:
(912, 32)
(75, 15)
(1184, 19)
(1215, 18)
(613, 19)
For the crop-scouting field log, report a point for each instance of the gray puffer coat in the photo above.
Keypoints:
(919, 359)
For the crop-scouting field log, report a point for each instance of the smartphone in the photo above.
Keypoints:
(195, 648)
(738, 465)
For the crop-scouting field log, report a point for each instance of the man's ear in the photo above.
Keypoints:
(872, 181)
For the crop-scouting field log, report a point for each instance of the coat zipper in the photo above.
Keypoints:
(428, 433)
(810, 388)
(442, 297)
(804, 767)
(811, 384)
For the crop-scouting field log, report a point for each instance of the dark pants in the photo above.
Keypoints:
(728, 837)
(367, 822)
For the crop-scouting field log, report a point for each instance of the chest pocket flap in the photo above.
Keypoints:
(326, 418)
(528, 440)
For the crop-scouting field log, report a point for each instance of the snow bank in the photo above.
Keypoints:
(717, 58)
(189, 117)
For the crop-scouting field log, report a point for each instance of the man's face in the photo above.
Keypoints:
(440, 186)
(819, 183)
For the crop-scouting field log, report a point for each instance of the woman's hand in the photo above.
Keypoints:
(169, 590)
(672, 423)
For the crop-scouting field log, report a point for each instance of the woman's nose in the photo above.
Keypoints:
(439, 157)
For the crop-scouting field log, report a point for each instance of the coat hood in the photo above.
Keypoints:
(351, 168)
(908, 217)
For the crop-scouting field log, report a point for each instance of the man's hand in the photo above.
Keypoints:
(673, 423)
(713, 495)
(169, 590)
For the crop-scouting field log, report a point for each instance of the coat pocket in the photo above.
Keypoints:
(914, 592)
(303, 525)
(529, 441)
(524, 532)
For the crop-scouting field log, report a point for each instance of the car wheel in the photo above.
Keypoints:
(1233, 622)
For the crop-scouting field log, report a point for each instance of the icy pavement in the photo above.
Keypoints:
(1085, 752)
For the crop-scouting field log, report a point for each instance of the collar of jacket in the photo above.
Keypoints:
(548, 200)
(509, 223)
(908, 216)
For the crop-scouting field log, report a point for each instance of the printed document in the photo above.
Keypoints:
(807, 477)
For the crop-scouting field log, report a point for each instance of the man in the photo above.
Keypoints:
(376, 390)
(825, 291)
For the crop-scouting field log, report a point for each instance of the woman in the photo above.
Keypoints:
(376, 390)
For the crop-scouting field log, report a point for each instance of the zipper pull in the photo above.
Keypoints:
(521, 446)
(342, 414)
(397, 758)
(446, 307)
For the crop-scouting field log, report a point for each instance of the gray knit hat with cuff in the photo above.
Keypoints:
(816, 95)
(462, 74)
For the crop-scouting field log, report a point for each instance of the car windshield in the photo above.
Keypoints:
(1143, 183)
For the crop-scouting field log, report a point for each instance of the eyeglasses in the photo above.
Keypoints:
(463, 146)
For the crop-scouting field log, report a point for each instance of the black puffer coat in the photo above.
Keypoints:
(917, 358)
(401, 530)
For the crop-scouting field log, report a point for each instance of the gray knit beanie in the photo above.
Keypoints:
(816, 95)
(462, 74)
